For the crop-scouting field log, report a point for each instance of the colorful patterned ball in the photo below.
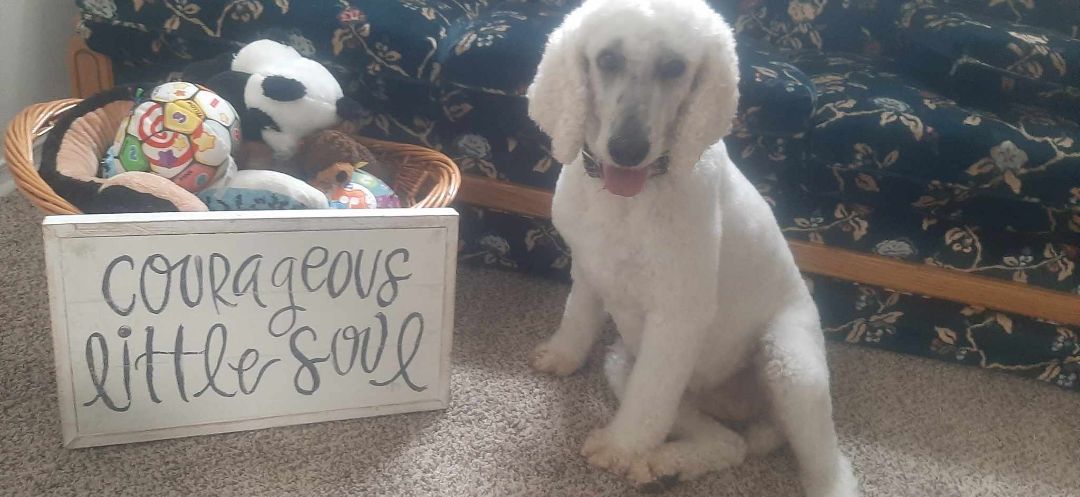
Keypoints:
(183, 132)
(365, 191)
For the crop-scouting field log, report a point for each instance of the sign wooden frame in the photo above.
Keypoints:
(60, 231)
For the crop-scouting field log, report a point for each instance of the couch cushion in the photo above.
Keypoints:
(776, 98)
(396, 38)
(987, 61)
(479, 116)
(1060, 15)
(872, 126)
(488, 131)
(130, 46)
(491, 135)
(497, 51)
(860, 26)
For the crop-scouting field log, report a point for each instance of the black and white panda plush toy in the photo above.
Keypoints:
(281, 96)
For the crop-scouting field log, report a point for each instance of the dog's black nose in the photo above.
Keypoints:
(629, 144)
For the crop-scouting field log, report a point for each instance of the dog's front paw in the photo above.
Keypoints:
(549, 357)
(607, 452)
(684, 460)
(611, 454)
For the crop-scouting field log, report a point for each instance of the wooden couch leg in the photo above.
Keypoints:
(90, 72)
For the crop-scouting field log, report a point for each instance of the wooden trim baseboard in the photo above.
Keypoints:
(937, 282)
(922, 279)
(505, 196)
(89, 71)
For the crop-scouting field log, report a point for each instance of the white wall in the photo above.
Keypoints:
(33, 45)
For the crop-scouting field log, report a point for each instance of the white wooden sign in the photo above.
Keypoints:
(171, 325)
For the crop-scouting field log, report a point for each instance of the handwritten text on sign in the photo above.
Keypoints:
(171, 330)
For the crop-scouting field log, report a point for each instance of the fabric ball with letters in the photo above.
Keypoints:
(183, 132)
(71, 160)
(365, 191)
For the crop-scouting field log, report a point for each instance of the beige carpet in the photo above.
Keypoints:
(913, 427)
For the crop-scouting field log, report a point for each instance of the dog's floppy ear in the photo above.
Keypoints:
(557, 96)
(709, 110)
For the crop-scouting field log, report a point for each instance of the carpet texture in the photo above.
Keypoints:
(912, 427)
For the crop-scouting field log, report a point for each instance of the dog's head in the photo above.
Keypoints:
(640, 84)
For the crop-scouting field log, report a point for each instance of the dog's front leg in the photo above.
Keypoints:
(582, 321)
(651, 401)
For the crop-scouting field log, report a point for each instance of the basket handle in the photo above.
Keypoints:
(28, 125)
(424, 172)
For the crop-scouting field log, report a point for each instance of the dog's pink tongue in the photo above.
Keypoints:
(623, 181)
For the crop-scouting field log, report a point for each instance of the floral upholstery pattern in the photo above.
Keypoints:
(943, 132)
(777, 98)
(854, 26)
(502, 40)
(874, 128)
(399, 38)
(912, 236)
(987, 60)
(948, 331)
(1060, 15)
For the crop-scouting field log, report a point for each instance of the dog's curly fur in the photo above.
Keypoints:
(721, 351)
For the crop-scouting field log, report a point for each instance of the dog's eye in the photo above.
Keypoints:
(610, 62)
(670, 69)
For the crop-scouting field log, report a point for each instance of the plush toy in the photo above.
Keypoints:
(182, 132)
(280, 98)
(262, 190)
(320, 151)
(71, 161)
(335, 176)
(280, 95)
(347, 172)
(364, 191)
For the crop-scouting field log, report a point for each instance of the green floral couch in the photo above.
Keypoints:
(943, 132)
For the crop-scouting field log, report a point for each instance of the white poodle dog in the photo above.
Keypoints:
(721, 352)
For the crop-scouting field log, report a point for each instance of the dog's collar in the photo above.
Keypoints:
(594, 170)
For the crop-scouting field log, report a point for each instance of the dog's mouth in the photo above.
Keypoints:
(623, 181)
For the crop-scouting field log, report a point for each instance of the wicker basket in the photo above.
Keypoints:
(423, 178)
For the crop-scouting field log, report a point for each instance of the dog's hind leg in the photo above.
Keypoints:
(582, 321)
(797, 378)
(742, 401)
(617, 366)
(698, 444)
(763, 436)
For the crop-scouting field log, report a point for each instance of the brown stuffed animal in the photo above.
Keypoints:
(325, 157)
(334, 177)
